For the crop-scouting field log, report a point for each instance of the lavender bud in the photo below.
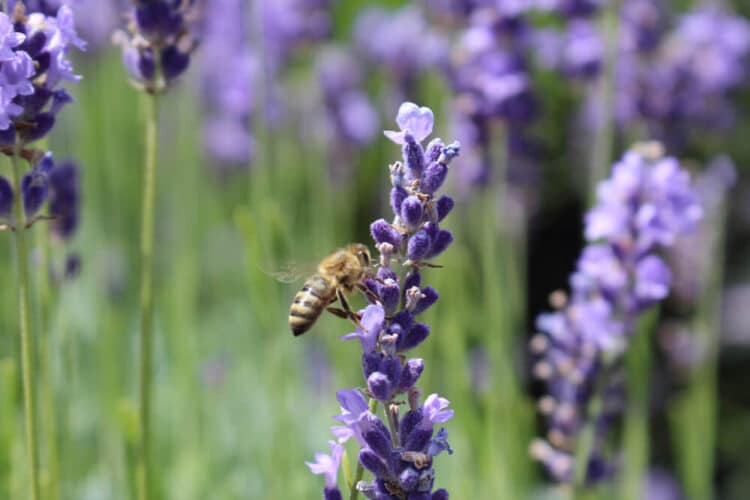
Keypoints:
(34, 187)
(174, 62)
(443, 239)
(440, 494)
(444, 205)
(372, 462)
(410, 374)
(6, 197)
(332, 493)
(429, 297)
(376, 435)
(371, 363)
(432, 229)
(410, 422)
(418, 438)
(434, 150)
(398, 195)
(379, 386)
(434, 177)
(41, 125)
(414, 158)
(389, 294)
(382, 232)
(419, 245)
(391, 367)
(412, 212)
(414, 278)
(409, 479)
(414, 336)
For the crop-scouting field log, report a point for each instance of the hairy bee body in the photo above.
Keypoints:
(338, 275)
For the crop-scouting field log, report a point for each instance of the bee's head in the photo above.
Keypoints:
(362, 253)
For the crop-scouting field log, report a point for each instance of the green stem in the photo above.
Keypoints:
(147, 304)
(635, 426)
(353, 492)
(585, 445)
(693, 415)
(51, 487)
(27, 336)
(604, 138)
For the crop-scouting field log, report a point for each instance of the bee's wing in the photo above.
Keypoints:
(291, 272)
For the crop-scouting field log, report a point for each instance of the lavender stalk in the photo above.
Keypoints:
(156, 50)
(27, 339)
(644, 206)
(398, 450)
(34, 48)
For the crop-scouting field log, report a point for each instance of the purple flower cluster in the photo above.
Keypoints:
(289, 24)
(47, 181)
(227, 95)
(34, 47)
(386, 38)
(489, 73)
(645, 205)
(671, 80)
(33, 64)
(399, 449)
(352, 117)
(158, 43)
(699, 63)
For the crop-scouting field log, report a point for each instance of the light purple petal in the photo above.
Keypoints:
(434, 409)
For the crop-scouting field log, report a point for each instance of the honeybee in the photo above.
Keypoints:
(338, 275)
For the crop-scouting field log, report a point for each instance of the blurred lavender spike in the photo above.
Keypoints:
(646, 204)
(228, 97)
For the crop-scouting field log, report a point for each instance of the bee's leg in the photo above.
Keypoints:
(338, 312)
(371, 296)
(346, 311)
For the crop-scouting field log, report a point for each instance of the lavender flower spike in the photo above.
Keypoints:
(646, 204)
(399, 450)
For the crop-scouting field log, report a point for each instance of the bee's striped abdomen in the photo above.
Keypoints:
(309, 303)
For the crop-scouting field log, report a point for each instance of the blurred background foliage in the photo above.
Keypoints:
(239, 403)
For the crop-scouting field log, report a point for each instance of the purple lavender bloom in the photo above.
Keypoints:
(157, 30)
(64, 199)
(228, 99)
(399, 452)
(400, 41)
(328, 465)
(693, 257)
(412, 120)
(351, 114)
(33, 62)
(372, 321)
(290, 24)
(573, 8)
(577, 52)
(645, 205)
(6, 198)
